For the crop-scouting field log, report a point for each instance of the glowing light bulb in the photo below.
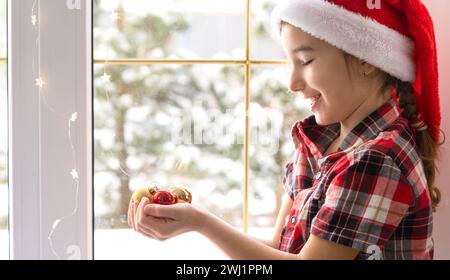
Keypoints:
(33, 19)
(106, 78)
(39, 82)
(74, 174)
(73, 117)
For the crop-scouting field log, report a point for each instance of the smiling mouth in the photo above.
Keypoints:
(314, 100)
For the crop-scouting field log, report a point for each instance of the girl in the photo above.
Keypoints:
(361, 183)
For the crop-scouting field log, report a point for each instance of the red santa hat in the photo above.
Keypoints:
(397, 36)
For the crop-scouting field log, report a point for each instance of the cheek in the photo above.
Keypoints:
(336, 89)
(327, 79)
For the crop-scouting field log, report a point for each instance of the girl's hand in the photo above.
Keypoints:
(133, 220)
(164, 221)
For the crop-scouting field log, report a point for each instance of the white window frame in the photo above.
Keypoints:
(40, 158)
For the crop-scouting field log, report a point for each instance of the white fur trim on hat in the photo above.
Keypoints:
(355, 34)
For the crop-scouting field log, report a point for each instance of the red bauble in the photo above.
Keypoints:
(164, 197)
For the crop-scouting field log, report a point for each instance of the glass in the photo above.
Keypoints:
(264, 43)
(170, 29)
(273, 111)
(166, 125)
(142, 113)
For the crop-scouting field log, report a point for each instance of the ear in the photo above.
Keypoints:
(365, 68)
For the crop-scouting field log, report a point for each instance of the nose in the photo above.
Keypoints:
(296, 83)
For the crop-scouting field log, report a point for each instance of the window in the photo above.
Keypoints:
(4, 238)
(171, 86)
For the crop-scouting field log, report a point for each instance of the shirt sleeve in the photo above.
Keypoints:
(364, 203)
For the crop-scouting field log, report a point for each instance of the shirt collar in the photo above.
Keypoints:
(317, 138)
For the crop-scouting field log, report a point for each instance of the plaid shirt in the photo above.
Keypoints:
(371, 194)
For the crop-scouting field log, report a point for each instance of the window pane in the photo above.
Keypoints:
(199, 29)
(166, 125)
(273, 111)
(4, 239)
(263, 43)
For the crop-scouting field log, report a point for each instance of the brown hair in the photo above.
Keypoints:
(427, 147)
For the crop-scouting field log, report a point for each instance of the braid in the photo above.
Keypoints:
(406, 100)
(427, 147)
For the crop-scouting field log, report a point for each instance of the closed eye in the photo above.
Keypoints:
(307, 62)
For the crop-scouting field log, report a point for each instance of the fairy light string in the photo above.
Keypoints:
(106, 80)
(71, 118)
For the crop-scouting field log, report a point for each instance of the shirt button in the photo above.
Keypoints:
(318, 174)
(293, 219)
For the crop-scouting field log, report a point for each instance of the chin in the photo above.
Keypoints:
(321, 120)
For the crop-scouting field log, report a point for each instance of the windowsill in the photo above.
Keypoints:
(4, 252)
(189, 246)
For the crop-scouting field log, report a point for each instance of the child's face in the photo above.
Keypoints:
(332, 91)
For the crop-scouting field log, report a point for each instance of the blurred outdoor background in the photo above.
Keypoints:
(183, 124)
(175, 123)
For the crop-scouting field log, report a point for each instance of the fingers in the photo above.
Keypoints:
(138, 220)
(139, 213)
(133, 216)
(147, 232)
(152, 210)
(130, 214)
(163, 211)
(152, 227)
(160, 221)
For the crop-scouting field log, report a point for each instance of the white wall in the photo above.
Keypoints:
(41, 153)
(439, 10)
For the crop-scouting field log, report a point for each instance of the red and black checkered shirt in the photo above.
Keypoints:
(371, 194)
